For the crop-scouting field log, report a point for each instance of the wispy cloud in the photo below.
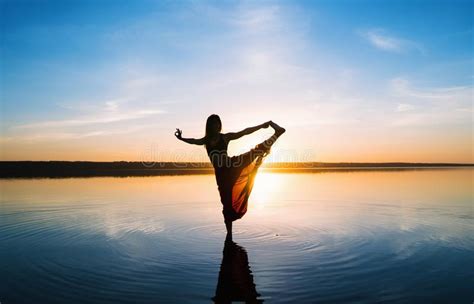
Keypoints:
(404, 87)
(132, 104)
(384, 41)
(431, 105)
(257, 19)
(404, 107)
(91, 120)
(55, 135)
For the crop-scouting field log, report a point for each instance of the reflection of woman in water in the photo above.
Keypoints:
(234, 175)
(235, 277)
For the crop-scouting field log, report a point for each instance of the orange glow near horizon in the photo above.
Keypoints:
(297, 145)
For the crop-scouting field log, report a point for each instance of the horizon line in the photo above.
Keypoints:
(268, 163)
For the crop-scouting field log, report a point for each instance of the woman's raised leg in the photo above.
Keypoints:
(260, 150)
(278, 132)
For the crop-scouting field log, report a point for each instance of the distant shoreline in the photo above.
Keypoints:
(34, 169)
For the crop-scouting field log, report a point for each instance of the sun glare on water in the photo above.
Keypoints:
(264, 188)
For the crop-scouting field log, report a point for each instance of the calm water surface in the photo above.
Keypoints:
(363, 237)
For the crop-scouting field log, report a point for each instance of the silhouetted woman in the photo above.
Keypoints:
(234, 175)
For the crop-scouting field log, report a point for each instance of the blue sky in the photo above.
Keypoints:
(351, 80)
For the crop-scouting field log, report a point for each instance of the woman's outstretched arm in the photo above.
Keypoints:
(193, 141)
(247, 131)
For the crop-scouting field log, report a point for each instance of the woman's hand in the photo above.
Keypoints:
(178, 134)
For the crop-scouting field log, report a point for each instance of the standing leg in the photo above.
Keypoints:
(228, 226)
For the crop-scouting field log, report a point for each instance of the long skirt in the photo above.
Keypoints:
(235, 181)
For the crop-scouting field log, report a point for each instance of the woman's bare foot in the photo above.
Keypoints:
(278, 130)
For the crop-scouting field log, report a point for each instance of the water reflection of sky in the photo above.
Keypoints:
(339, 230)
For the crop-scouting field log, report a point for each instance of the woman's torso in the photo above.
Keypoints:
(217, 151)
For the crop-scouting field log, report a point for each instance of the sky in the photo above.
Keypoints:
(355, 81)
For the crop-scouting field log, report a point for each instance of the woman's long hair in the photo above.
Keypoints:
(213, 127)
